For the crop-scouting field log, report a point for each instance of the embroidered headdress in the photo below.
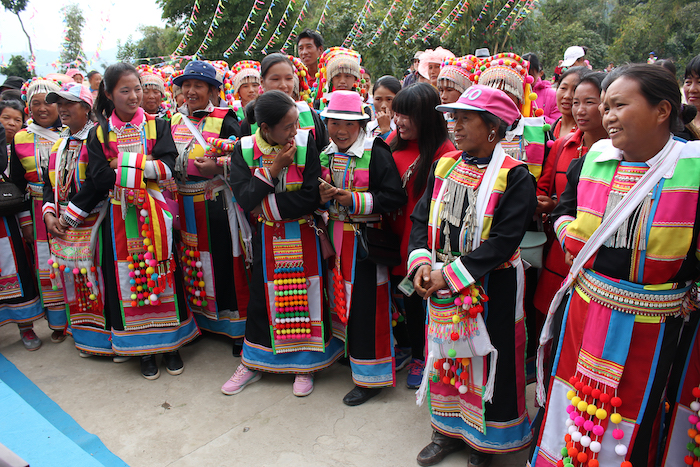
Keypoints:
(460, 72)
(508, 72)
(245, 72)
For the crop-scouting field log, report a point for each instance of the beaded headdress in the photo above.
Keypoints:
(151, 77)
(508, 72)
(460, 72)
(334, 61)
(225, 76)
(245, 72)
(301, 83)
(38, 86)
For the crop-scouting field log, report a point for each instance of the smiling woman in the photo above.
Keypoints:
(628, 222)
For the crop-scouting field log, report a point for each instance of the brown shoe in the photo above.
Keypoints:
(440, 447)
(479, 459)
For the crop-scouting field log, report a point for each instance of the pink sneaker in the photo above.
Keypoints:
(303, 384)
(240, 379)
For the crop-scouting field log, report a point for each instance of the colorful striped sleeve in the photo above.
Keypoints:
(457, 276)
(263, 174)
(48, 207)
(269, 207)
(418, 258)
(25, 218)
(156, 170)
(560, 227)
(362, 203)
(74, 215)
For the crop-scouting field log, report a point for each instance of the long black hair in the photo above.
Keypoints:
(418, 102)
(273, 59)
(104, 107)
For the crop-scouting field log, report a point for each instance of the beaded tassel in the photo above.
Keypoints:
(194, 277)
(693, 446)
(452, 372)
(86, 290)
(144, 278)
(292, 318)
(591, 404)
(339, 293)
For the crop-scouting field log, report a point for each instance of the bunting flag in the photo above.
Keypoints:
(322, 19)
(482, 13)
(213, 25)
(281, 25)
(188, 30)
(449, 20)
(358, 34)
(444, 35)
(524, 12)
(355, 31)
(404, 24)
(431, 22)
(384, 23)
(509, 8)
(293, 33)
(262, 29)
(257, 4)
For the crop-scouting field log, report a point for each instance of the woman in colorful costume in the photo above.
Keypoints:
(456, 75)
(430, 63)
(214, 246)
(628, 221)
(73, 219)
(288, 74)
(365, 184)
(465, 261)
(383, 92)
(29, 159)
(154, 101)
(138, 261)
(246, 84)
(420, 139)
(274, 176)
(340, 71)
(550, 186)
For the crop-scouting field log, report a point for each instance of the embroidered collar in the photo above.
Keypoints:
(608, 153)
(357, 149)
(81, 135)
(263, 146)
(184, 110)
(137, 120)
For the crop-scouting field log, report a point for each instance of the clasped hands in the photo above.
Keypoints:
(427, 281)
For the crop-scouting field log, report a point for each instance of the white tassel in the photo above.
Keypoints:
(422, 391)
(491, 382)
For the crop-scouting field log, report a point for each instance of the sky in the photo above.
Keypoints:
(106, 21)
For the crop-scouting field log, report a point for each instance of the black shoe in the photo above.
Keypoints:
(360, 395)
(237, 347)
(440, 447)
(479, 459)
(173, 363)
(345, 361)
(149, 369)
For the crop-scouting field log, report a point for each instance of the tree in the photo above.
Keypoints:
(17, 66)
(156, 42)
(72, 54)
(17, 6)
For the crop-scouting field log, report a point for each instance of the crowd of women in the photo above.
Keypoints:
(477, 225)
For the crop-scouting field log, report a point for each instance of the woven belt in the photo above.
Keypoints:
(648, 302)
(199, 188)
(35, 190)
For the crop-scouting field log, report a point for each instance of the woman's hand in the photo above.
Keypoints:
(327, 192)
(545, 204)
(53, 226)
(421, 280)
(283, 159)
(384, 120)
(28, 233)
(207, 167)
(257, 211)
(437, 282)
(114, 163)
(343, 197)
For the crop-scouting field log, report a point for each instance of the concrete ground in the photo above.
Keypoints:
(185, 420)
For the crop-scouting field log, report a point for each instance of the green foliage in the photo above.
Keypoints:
(72, 52)
(612, 30)
(156, 42)
(17, 66)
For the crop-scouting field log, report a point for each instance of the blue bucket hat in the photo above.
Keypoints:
(200, 70)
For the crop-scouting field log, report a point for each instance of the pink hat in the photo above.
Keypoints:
(438, 56)
(482, 98)
(73, 92)
(74, 71)
(345, 105)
